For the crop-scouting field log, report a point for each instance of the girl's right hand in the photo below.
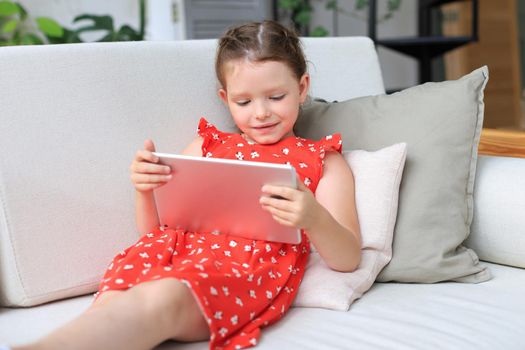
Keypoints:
(146, 174)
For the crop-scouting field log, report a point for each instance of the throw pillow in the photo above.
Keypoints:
(441, 124)
(377, 176)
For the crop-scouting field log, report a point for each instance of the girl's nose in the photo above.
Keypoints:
(262, 112)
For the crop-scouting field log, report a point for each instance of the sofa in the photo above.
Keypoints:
(72, 117)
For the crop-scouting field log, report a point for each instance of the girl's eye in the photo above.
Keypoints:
(277, 98)
(242, 103)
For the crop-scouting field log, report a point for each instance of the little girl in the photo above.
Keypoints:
(192, 286)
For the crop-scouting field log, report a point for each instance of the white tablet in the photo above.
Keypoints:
(222, 195)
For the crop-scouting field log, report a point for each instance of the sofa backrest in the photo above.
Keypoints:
(72, 118)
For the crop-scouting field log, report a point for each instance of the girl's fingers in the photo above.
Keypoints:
(146, 155)
(282, 221)
(281, 204)
(147, 187)
(280, 216)
(279, 191)
(148, 178)
(149, 168)
(149, 145)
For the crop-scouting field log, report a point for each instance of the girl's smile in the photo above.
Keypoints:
(266, 128)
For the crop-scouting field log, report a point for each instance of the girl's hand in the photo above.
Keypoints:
(146, 175)
(292, 207)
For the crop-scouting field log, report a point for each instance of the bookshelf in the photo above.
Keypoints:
(425, 46)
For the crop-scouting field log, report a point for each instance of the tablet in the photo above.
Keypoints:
(222, 196)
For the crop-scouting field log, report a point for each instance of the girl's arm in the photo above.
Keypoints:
(147, 175)
(329, 218)
(336, 235)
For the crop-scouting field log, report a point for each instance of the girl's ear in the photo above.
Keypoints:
(304, 84)
(223, 96)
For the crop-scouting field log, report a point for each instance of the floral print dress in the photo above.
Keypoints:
(241, 285)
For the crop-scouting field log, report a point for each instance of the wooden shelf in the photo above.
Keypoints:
(434, 3)
(505, 143)
(425, 46)
(428, 46)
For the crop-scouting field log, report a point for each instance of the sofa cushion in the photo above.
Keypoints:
(441, 124)
(390, 316)
(499, 204)
(377, 176)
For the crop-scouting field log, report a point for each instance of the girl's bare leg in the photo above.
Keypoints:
(139, 318)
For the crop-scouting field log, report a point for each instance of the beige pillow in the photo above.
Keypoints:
(376, 176)
(441, 124)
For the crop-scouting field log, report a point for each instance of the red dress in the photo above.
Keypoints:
(241, 285)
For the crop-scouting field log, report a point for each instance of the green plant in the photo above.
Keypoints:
(17, 28)
(300, 13)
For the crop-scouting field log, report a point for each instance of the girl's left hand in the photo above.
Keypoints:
(291, 207)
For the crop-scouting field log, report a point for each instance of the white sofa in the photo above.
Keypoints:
(71, 118)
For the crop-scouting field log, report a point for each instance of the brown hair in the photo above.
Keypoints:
(260, 42)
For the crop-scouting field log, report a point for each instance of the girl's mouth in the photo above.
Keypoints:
(265, 127)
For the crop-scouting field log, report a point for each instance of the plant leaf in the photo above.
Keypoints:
(289, 4)
(361, 4)
(69, 36)
(108, 37)
(319, 32)
(331, 5)
(303, 17)
(7, 8)
(99, 23)
(23, 12)
(127, 33)
(49, 27)
(31, 39)
(9, 26)
(393, 5)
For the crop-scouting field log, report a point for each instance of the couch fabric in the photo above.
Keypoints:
(499, 225)
(72, 117)
(71, 127)
(397, 316)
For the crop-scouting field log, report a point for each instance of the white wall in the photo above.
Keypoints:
(399, 71)
(165, 20)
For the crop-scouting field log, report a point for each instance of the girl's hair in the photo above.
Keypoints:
(260, 42)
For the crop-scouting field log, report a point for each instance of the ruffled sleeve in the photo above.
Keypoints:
(206, 129)
(210, 136)
(330, 143)
(326, 144)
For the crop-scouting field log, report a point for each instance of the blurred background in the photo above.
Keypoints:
(417, 40)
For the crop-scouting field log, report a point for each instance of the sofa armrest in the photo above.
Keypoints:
(499, 203)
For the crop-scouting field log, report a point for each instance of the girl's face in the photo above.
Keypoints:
(263, 98)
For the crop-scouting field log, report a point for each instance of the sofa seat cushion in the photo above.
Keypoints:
(446, 315)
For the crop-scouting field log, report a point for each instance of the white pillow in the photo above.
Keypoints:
(377, 176)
